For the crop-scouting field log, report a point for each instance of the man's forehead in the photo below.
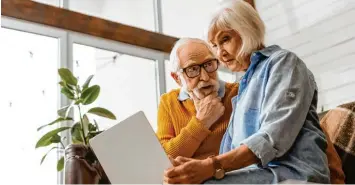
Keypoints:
(194, 51)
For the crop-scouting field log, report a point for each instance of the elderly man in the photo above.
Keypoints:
(192, 120)
(194, 128)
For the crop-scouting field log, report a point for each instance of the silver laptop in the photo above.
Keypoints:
(130, 152)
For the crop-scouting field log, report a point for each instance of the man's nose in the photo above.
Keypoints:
(204, 75)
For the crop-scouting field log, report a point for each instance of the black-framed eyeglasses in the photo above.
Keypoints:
(195, 70)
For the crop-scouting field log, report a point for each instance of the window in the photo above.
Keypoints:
(138, 13)
(128, 83)
(28, 100)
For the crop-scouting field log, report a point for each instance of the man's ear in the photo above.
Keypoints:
(176, 78)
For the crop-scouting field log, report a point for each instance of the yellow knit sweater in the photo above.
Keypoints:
(181, 134)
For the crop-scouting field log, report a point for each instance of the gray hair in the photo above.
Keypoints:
(174, 58)
(244, 19)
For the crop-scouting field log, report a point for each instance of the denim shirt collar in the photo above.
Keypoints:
(256, 58)
(221, 91)
(267, 51)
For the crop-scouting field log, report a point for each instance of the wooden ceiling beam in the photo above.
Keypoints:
(69, 20)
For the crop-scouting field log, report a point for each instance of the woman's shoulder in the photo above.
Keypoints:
(280, 59)
(285, 62)
(282, 56)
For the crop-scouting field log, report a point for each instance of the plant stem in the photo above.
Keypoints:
(62, 144)
(82, 125)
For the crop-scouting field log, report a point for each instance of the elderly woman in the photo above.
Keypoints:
(274, 133)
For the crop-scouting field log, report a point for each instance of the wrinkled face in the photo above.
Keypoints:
(199, 69)
(227, 44)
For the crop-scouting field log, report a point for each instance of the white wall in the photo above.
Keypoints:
(186, 18)
(322, 33)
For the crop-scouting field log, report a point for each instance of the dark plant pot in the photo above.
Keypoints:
(82, 166)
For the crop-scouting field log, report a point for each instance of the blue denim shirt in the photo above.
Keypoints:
(274, 114)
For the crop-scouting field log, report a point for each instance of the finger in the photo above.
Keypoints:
(183, 179)
(212, 95)
(223, 108)
(182, 160)
(217, 101)
(175, 171)
(171, 172)
(167, 180)
(173, 161)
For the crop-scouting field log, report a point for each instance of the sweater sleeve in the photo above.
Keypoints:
(187, 141)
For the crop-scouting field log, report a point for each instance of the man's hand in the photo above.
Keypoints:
(191, 171)
(179, 160)
(208, 109)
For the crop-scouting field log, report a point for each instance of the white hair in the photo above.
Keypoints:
(174, 58)
(244, 19)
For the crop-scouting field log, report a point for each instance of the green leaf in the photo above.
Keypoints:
(91, 127)
(77, 102)
(90, 94)
(55, 139)
(76, 132)
(46, 139)
(62, 84)
(93, 134)
(85, 124)
(64, 111)
(67, 76)
(102, 112)
(60, 164)
(87, 82)
(47, 154)
(55, 121)
(68, 93)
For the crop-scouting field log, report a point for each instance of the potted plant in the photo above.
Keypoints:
(81, 129)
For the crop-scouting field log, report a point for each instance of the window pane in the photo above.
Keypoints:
(49, 2)
(186, 18)
(28, 77)
(138, 13)
(128, 84)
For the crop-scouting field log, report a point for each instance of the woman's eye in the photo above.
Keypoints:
(225, 39)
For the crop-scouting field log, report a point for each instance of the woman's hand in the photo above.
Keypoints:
(189, 171)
